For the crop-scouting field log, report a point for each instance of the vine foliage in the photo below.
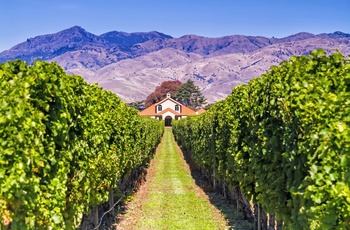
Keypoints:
(284, 140)
(64, 144)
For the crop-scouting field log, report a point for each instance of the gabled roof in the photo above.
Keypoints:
(187, 111)
(167, 98)
(200, 111)
(152, 110)
(169, 110)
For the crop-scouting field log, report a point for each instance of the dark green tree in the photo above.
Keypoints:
(139, 105)
(208, 106)
(190, 95)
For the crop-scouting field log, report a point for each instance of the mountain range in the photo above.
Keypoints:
(133, 64)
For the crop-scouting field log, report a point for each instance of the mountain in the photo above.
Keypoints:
(47, 47)
(133, 64)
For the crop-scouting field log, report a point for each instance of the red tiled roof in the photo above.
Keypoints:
(168, 110)
(200, 111)
(167, 98)
(151, 110)
(187, 111)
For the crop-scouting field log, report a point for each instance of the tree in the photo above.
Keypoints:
(190, 95)
(208, 106)
(139, 105)
(161, 91)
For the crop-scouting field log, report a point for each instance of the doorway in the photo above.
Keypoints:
(168, 120)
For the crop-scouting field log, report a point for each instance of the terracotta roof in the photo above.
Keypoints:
(200, 111)
(168, 110)
(151, 110)
(187, 111)
(167, 98)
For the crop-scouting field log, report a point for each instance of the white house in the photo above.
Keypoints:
(168, 110)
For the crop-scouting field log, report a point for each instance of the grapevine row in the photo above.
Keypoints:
(64, 144)
(283, 140)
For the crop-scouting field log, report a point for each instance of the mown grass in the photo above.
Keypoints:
(173, 201)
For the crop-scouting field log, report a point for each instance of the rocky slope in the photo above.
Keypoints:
(133, 64)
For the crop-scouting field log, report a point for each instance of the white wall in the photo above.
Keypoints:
(168, 104)
(168, 114)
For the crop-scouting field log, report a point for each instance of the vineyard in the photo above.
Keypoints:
(283, 140)
(64, 145)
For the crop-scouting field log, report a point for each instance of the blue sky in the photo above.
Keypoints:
(22, 19)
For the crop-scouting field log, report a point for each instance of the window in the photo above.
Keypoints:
(177, 108)
(159, 108)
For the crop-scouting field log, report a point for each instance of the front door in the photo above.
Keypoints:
(168, 121)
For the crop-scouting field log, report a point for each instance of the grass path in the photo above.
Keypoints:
(170, 199)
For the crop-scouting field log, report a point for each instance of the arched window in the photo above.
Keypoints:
(177, 108)
(160, 108)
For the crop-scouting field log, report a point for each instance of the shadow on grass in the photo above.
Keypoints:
(129, 185)
(234, 217)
